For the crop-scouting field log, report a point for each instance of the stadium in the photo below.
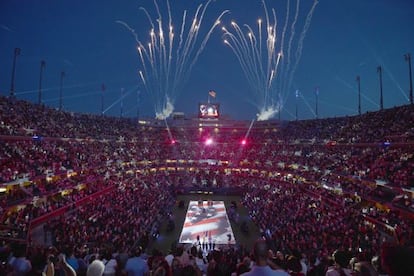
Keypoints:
(90, 183)
(217, 138)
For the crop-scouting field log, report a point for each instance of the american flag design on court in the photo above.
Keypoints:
(207, 220)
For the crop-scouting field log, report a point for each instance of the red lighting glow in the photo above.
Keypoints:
(209, 141)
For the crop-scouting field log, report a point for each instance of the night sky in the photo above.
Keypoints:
(345, 39)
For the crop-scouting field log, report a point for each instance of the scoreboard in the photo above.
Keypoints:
(209, 110)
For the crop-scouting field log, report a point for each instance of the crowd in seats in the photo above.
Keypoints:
(21, 118)
(375, 161)
(122, 218)
(293, 197)
(326, 173)
(393, 261)
(371, 127)
(19, 217)
(308, 225)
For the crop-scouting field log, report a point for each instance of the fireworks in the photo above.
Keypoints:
(269, 61)
(167, 58)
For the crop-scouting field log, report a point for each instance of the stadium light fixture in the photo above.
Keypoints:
(208, 141)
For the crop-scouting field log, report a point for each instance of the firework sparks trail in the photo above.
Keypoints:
(269, 68)
(299, 49)
(167, 60)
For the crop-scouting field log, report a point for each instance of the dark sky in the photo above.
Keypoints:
(82, 38)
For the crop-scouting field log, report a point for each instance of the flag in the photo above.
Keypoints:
(212, 93)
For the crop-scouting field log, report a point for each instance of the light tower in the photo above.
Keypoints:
(316, 107)
(102, 98)
(16, 53)
(379, 70)
(408, 59)
(42, 67)
(62, 75)
(358, 79)
(122, 102)
(296, 110)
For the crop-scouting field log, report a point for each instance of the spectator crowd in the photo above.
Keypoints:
(329, 195)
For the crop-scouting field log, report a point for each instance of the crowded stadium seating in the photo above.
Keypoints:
(312, 186)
